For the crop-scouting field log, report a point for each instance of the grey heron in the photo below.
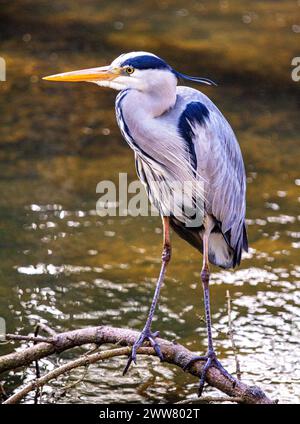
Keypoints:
(178, 134)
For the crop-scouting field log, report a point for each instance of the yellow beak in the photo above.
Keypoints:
(93, 74)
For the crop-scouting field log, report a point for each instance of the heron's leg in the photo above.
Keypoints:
(210, 358)
(147, 334)
(205, 284)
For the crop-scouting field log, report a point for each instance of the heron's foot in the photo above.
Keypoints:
(145, 335)
(210, 361)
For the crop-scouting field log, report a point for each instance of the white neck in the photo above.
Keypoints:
(157, 96)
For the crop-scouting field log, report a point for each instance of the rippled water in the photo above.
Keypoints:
(66, 266)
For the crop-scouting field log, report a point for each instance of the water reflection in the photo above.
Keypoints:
(64, 265)
(102, 271)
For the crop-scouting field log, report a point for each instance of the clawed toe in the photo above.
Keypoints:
(146, 334)
(192, 361)
(210, 361)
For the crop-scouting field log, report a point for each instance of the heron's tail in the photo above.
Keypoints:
(220, 253)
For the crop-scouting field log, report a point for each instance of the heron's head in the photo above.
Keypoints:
(136, 70)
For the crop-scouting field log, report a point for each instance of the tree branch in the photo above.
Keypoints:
(173, 353)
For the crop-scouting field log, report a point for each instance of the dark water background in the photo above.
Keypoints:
(66, 266)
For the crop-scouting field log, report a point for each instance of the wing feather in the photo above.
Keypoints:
(220, 164)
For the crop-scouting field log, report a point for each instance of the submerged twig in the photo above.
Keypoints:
(38, 392)
(231, 334)
(81, 378)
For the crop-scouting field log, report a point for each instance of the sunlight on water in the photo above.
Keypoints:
(64, 265)
(97, 286)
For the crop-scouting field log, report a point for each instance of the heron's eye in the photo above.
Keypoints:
(129, 70)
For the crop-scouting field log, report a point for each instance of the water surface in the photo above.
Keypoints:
(64, 265)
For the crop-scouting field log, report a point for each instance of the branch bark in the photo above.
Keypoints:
(175, 354)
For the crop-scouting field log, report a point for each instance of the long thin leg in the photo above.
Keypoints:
(210, 358)
(205, 284)
(146, 334)
(166, 256)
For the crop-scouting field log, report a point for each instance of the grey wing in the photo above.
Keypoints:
(220, 164)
